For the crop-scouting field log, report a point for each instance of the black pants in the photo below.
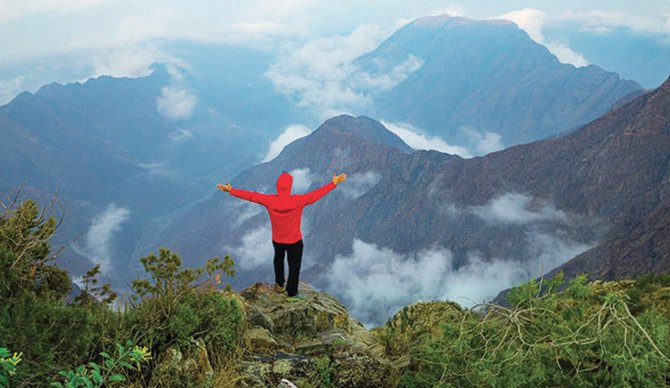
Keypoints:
(294, 259)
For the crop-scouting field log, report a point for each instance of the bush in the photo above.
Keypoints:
(176, 306)
(575, 337)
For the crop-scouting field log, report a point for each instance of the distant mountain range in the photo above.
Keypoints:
(487, 76)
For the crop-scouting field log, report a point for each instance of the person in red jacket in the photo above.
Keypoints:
(285, 211)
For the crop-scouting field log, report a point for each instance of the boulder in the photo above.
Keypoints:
(310, 342)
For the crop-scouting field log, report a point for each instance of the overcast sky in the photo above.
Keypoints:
(97, 35)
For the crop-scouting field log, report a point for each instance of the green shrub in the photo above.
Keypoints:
(176, 305)
(575, 337)
(110, 371)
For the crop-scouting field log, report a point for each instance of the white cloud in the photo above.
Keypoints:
(247, 210)
(10, 88)
(175, 102)
(290, 134)
(375, 282)
(181, 135)
(131, 61)
(419, 141)
(531, 21)
(515, 208)
(451, 10)
(100, 235)
(16, 9)
(359, 183)
(320, 74)
(302, 179)
(255, 249)
(482, 144)
(605, 21)
(386, 81)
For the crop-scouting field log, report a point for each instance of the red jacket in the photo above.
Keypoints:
(285, 209)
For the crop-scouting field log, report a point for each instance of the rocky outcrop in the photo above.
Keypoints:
(309, 342)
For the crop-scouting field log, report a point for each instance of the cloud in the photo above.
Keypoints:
(605, 21)
(321, 76)
(451, 10)
(419, 141)
(359, 183)
(290, 134)
(131, 61)
(181, 135)
(247, 210)
(387, 80)
(99, 238)
(302, 179)
(255, 249)
(17, 9)
(531, 21)
(482, 144)
(515, 208)
(10, 88)
(175, 102)
(375, 282)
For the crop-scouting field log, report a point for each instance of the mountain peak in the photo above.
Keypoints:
(362, 128)
(448, 20)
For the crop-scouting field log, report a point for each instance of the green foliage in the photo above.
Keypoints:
(111, 371)
(8, 364)
(176, 305)
(549, 338)
(92, 293)
(53, 335)
(326, 369)
(26, 266)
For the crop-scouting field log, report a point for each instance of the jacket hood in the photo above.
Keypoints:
(284, 184)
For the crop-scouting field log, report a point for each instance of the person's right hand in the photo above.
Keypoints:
(225, 188)
(337, 179)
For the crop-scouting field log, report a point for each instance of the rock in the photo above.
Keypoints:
(309, 342)
(190, 368)
(260, 340)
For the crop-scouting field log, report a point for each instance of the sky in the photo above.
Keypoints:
(71, 40)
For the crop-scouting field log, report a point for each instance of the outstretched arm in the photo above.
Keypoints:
(250, 196)
(319, 193)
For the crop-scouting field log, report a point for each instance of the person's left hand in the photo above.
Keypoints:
(337, 179)
(225, 188)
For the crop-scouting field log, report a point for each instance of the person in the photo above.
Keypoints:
(285, 210)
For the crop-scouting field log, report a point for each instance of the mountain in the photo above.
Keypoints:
(486, 76)
(115, 158)
(432, 225)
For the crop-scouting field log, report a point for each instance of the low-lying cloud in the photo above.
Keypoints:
(359, 183)
(175, 102)
(99, 238)
(290, 134)
(255, 248)
(482, 143)
(415, 139)
(375, 282)
(302, 180)
(516, 208)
